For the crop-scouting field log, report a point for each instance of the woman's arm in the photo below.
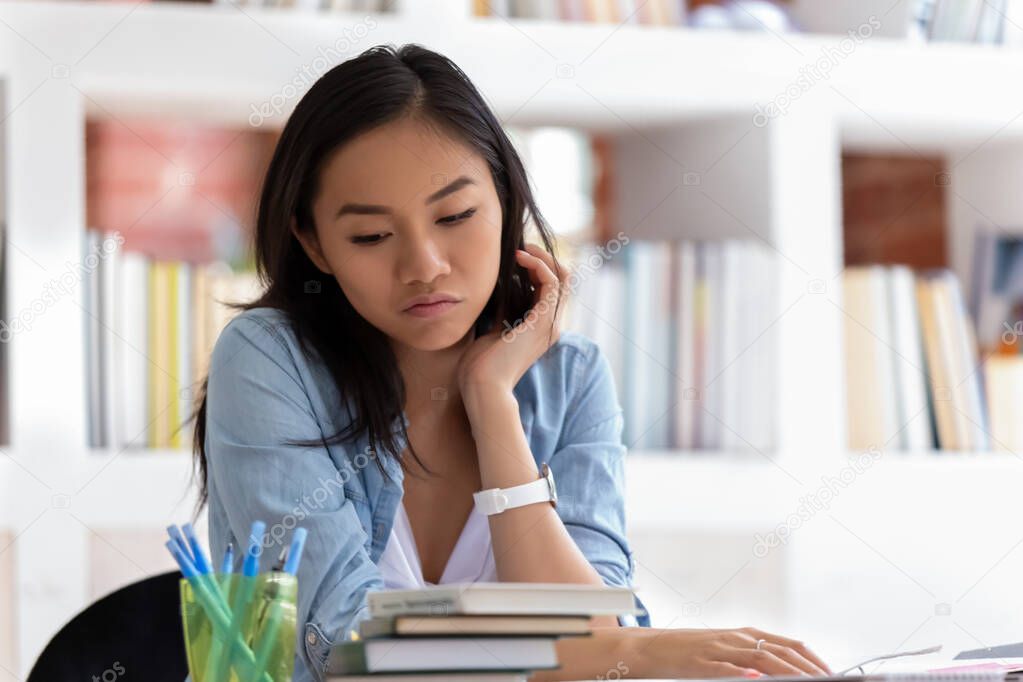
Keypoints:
(616, 653)
(583, 540)
(256, 404)
(531, 544)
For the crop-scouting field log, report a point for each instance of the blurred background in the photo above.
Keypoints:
(796, 228)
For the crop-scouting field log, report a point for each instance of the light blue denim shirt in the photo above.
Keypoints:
(265, 391)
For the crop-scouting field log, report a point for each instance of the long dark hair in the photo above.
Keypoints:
(381, 85)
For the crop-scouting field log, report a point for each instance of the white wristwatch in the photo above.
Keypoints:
(496, 500)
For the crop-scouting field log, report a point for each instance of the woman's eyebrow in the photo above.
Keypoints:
(376, 209)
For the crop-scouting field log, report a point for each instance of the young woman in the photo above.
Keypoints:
(406, 355)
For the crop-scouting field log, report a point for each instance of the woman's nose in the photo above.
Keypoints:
(422, 260)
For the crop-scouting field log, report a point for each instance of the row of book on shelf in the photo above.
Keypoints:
(912, 374)
(372, 6)
(979, 21)
(928, 369)
(652, 12)
(150, 326)
(688, 330)
(996, 304)
(482, 631)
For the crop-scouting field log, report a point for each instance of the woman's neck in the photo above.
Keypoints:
(431, 379)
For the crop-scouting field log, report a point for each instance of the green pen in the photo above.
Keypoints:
(241, 603)
(272, 624)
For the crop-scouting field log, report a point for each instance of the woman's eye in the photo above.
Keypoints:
(451, 219)
(368, 239)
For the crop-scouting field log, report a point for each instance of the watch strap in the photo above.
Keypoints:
(496, 500)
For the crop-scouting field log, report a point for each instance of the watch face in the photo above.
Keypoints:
(549, 475)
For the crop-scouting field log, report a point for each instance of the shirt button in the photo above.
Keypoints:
(311, 637)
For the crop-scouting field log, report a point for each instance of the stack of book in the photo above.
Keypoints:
(493, 632)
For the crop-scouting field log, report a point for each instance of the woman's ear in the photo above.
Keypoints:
(311, 246)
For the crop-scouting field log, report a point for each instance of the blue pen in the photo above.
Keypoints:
(215, 609)
(211, 601)
(250, 567)
(242, 598)
(201, 562)
(203, 570)
(183, 560)
(197, 558)
(179, 540)
(295, 551)
(227, 566)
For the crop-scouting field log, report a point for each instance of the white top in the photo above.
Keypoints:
(472, 559)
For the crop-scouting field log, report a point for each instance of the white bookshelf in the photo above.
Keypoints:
(657, 89)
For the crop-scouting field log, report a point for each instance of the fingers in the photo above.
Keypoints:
(793, 657)
(724, 669)
(541, 266)
(559, 271)
(793, 644)
(763, 660)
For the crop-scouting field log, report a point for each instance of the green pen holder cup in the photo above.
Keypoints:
(267, 613)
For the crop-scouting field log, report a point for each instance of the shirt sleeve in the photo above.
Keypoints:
(589, 472)
(256, 404)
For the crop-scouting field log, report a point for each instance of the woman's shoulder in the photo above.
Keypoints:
(261, 334)
(570, 357)
(261, 346)
(273, 320)
(570, 389)
(576, 343)
(571, 369)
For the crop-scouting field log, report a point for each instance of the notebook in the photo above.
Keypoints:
(426, 626)
(504, 598)
(442, 654)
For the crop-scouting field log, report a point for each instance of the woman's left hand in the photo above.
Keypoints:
(497, 360)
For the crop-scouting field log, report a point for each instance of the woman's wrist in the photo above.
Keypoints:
(481, 400)
(630, 648)
(609, 653)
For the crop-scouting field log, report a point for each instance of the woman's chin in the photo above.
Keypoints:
(434, 339)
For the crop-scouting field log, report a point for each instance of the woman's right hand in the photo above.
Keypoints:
(702, 653)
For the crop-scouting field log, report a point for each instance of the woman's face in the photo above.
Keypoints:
(405, 211)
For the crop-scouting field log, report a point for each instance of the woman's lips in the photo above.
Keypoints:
(431, 309)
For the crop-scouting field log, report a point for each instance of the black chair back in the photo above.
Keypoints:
(132, 634)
